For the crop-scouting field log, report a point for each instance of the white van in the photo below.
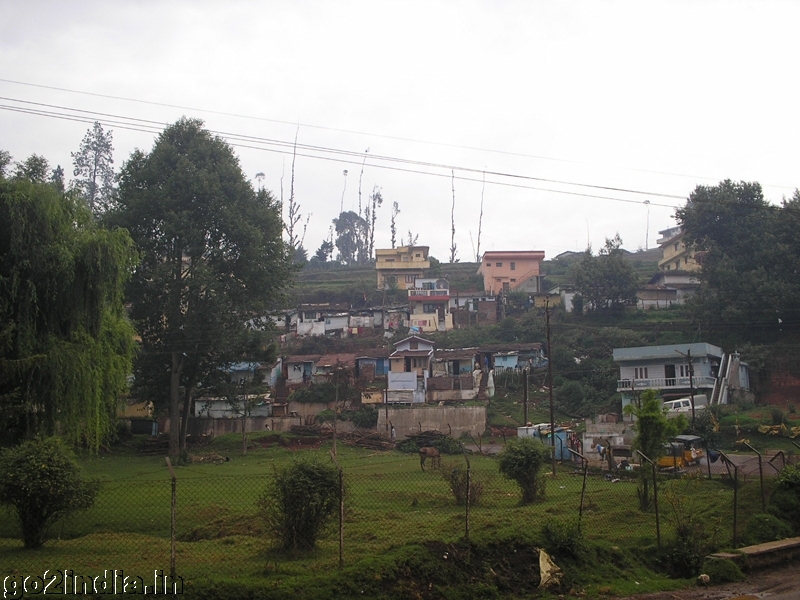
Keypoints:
(683, 405)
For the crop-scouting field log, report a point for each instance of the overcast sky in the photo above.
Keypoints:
(585, 119)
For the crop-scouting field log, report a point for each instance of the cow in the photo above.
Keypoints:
(429, 452)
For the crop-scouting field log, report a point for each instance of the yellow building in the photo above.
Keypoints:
(401, 266)
(675, 254)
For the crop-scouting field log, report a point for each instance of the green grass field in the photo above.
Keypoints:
(391, 506)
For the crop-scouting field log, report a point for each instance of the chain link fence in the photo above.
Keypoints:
(388, 500)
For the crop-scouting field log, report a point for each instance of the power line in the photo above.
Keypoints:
(363, 133)
(258, 139)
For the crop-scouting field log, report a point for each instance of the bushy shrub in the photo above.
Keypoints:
(447, 445)
(564, 539)
(41, 483)
(784, 502)
(765, 528)
(722, 571)
(777, 416)
(299, 503)
(694, 539)
(521, 461)
(456, 478)
(366, 417)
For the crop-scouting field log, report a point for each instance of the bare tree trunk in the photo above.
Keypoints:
(395, 211)
(187, 405)
(480, 221)
(174, 408)
(453, 220)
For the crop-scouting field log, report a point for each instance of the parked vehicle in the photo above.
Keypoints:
(683, 450)
(683, 406)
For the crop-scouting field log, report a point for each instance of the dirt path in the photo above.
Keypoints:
(781, 583)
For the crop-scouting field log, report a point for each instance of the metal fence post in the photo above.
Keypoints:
(655, 498)
(583, 489)
(728, 464)
(341, 509)
(469, 495)
(761, 477)
(172, 526)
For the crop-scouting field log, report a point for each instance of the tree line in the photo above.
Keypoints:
(178, 249)
(182, 251)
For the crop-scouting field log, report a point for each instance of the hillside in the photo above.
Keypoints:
(357, 285)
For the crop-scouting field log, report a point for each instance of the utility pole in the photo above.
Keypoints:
(525, 396)
(550, 377)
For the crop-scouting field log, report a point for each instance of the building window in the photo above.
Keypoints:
(429, 308)
(497, 279)
(640, 373)
(488, 264)
(389, 260)
(513, 266)
(676, 247)
(417, 255)
(498, 264)
(413, 344)
(513, 280)
(410, 278)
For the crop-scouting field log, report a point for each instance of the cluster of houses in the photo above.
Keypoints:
(432, 306)
(413, 373)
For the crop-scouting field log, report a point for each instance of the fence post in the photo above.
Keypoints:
(761, 477)
(341, 509)
(655, 498)
(783, 460)
(172, 526)
(583, 489)
(469, 495)
(728, 464)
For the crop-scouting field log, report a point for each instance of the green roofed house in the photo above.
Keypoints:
(679, 370)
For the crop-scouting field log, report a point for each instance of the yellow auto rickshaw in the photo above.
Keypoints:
(683, 450)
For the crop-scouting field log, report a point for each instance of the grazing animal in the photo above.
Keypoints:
(427, 452)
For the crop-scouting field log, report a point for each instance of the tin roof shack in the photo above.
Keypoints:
(298, 369)
(607, 430)
(328, 364)
(473, 308)
(255, 405)
(322, 319)
(453, 362)
(541, 431)
(372, 363)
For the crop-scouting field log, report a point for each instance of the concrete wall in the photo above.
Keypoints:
(309, 410)
(215, 427)
(461, 419)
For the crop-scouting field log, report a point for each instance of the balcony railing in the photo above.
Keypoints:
(664, 383)
(420, 292)
(383, 264)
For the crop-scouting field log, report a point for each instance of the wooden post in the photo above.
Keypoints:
(655, 498)
(550, 377)
(173, 518)
(525, 396)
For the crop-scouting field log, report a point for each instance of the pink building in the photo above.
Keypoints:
(511, 271)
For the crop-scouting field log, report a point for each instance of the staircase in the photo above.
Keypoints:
(721, 384)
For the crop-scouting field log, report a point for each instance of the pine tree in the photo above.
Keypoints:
(93, 169)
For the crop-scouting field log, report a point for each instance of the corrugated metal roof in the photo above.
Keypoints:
(671, 351)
